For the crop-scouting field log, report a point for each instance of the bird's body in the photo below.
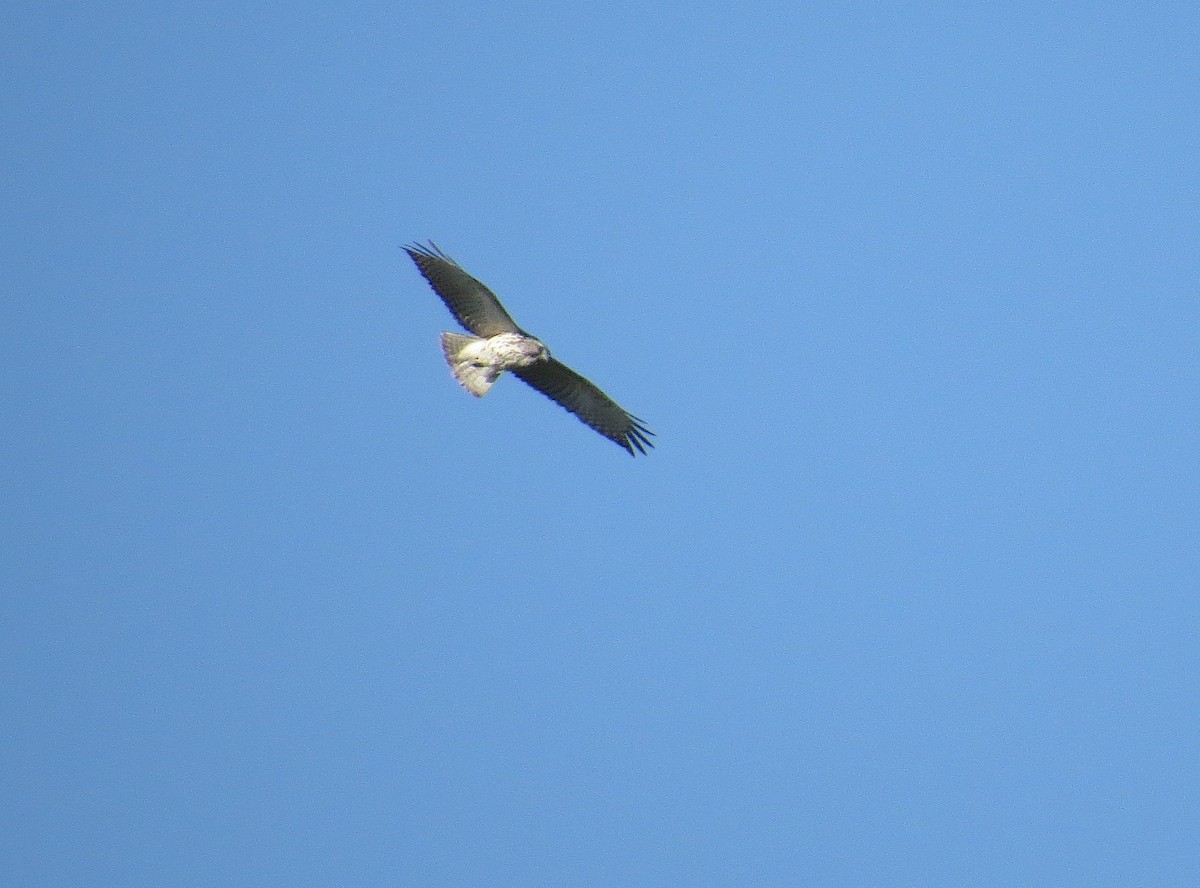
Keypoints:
(499, 345)
(477, 362)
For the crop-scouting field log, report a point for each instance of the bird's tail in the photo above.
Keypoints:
(462, 354)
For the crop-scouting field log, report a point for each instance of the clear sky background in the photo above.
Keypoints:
(906, 594)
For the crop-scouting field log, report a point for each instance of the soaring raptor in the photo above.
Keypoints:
(498, 344)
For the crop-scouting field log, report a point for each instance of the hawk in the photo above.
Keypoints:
(498, 344)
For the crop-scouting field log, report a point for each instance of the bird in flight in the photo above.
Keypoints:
(498, 344)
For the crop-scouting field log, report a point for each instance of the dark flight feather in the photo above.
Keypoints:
(560, 383)
(469, 300)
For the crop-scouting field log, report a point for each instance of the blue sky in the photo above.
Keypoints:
(906, 594)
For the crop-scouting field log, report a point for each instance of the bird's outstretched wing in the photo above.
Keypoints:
(560, 383)
(470, 301)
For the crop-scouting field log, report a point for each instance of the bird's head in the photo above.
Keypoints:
(535, 350)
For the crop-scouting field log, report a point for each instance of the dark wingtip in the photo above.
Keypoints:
(427, 250)
(637, 436)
